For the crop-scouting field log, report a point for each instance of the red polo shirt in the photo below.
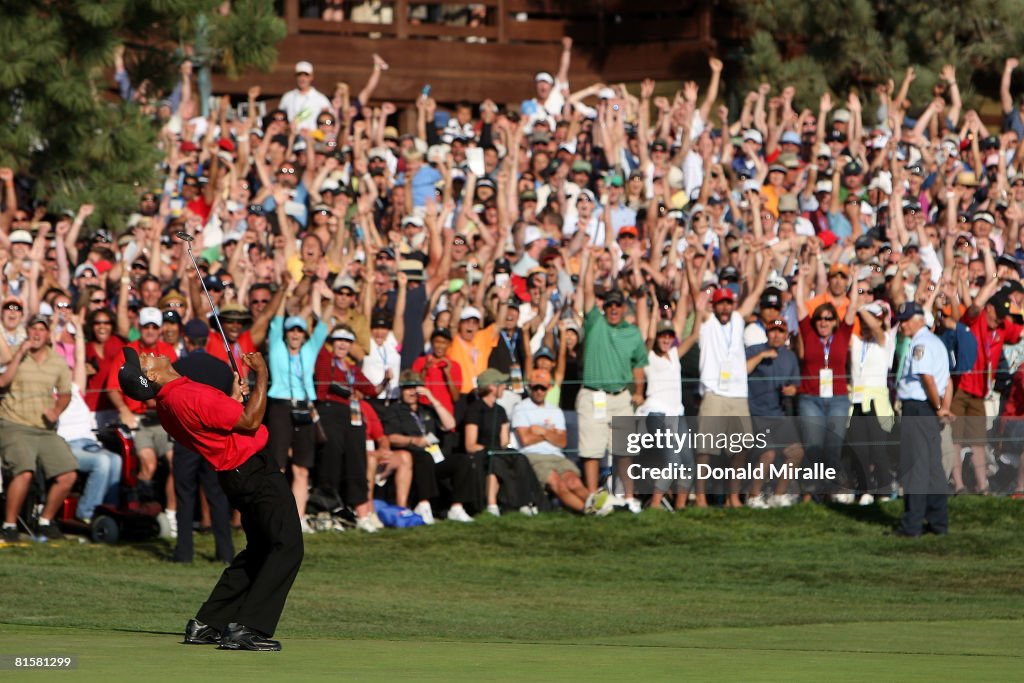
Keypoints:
(202, 419)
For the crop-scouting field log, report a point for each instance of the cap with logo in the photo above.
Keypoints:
(134, 383)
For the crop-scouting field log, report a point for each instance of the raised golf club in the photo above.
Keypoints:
(188, 239)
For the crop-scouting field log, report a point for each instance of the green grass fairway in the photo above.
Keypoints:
(854, 652)
(797, 594)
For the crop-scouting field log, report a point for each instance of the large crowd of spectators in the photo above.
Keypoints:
(453, 313)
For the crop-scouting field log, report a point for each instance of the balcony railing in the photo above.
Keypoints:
(507, 21)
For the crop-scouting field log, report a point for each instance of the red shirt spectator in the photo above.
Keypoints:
(374, 427)
(96, 396)
(838, 347)
(329, 370)
(432, 369)
(979, 378)
(244, 345)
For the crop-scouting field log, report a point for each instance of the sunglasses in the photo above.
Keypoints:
(102, 322)
(259, 302)
(12, 307)
(99, 301)
(538, 387)
(459, 242)
(826, 318)
(862, 291)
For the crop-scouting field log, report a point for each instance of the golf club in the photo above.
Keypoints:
(187, 239)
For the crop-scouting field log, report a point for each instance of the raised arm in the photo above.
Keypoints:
(252, 415)
(379, 67)
(1005, 98)
(398, 325)
(563, 62)
(712, 93)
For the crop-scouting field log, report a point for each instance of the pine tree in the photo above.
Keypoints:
(861, 43)
(61, 125)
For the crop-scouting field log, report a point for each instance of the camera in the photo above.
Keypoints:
(338, 389)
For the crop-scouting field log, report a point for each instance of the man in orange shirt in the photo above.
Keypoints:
(836, 294)
(471, 348)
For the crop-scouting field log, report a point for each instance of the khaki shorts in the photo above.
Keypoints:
(721, 415)
(543, 465)
(969, 425)
(153, 436)
(596, 434)
(21, 447)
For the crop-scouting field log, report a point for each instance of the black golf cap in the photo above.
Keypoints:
(132, 380)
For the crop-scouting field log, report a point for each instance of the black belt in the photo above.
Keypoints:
(613, 393)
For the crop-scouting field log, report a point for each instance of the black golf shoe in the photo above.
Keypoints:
(238, 637)
(198, 633)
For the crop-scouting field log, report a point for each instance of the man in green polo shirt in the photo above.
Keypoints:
(614, 358)
(38, 389)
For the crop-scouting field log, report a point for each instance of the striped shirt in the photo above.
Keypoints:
(32, 390)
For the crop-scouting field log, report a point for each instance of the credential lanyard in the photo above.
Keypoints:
(827, 347)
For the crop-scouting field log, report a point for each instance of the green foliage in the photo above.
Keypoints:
(863, 43)
(61, 123)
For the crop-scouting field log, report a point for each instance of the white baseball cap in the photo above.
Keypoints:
(20, 237)
(470, 312)
(304, 68)
(150, 316)
(531, 234)
(545, 77)
(606, 94)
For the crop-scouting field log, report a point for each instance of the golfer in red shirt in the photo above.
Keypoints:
(243, 610)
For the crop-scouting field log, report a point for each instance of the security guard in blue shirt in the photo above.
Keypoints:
(925, 392)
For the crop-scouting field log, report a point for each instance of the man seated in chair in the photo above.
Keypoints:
(540, 429)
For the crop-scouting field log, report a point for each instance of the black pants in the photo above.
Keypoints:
(190, 471)
(285, 434)
(519, 485)
(871, 448)
(458, 467)
(341, 462)
(252, 591)
(921, 471)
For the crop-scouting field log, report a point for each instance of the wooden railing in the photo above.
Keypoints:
(525, 21)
